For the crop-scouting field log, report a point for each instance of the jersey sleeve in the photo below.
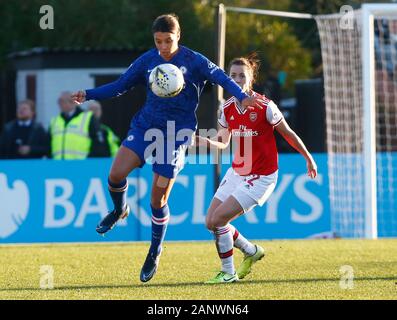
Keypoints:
(133, 76)
(222, 119)
(273, 114)
(213, 73)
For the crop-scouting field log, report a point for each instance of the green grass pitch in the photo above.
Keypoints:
(304, 269)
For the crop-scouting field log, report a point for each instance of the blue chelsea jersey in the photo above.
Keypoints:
(156, 111)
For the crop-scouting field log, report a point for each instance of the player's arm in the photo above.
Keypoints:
(216, 75)
(131, 77)
(220, 141)
(293, 139)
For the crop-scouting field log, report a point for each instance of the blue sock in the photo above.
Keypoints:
(160, 218)
(118, 192)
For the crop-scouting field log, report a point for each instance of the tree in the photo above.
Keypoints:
(127, 24)
(88, 23)
(272, 38)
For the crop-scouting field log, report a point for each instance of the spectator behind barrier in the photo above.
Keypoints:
(24, 138)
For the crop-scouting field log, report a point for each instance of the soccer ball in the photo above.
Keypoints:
(166, 80)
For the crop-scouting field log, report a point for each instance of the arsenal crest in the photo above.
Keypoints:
(253, 116)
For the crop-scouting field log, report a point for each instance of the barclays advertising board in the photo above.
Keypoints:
(62, 201)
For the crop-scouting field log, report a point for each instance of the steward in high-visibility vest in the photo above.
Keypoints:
(111, 139)
(74, 137)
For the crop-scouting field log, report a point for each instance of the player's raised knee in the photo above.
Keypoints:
(218, 220)
(209, 223)
(116, 176)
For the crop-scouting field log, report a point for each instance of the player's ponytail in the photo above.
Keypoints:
(254, 64)
(251, 61)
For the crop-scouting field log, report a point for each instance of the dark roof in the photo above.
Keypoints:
(73, 57)
(42, 50)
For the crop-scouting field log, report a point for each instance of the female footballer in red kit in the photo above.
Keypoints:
(253, 175)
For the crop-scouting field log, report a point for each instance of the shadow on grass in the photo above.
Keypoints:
(190, 284)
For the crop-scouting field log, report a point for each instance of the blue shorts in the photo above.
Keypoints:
(166, 155)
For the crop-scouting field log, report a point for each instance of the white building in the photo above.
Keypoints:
(42, 74)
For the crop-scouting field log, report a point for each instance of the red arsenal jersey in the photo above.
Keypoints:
(252, 134)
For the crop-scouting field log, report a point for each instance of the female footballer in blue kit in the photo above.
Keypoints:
(156, 113)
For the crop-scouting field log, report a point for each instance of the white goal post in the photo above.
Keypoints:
(368, 12)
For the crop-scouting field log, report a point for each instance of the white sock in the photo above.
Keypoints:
(224, 245)
(242, 243)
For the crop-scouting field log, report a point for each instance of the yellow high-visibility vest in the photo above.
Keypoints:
(71, 141)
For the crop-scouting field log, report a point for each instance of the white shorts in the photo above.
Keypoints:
(249, 190)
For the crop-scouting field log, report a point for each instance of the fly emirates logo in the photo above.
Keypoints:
(242, 131)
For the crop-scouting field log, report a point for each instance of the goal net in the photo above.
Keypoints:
(344, 63)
